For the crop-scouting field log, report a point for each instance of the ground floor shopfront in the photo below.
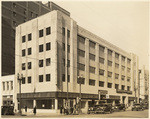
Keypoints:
(53, 101)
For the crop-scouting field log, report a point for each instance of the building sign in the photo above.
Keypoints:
(102, 92)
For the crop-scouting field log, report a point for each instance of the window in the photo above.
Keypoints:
(109, 85)
(81, 66)
(116, 86)
(41, 33)
(7, 85)
(123, 68)
(29, 51)
(101, 60)
(63, 31)
(128, 70)
(116, 65)
(23, 66)
(63, 77)
(40, 78)
(122, 77)
(92, 57)
(48, 62)
(116, 55)
(23, 39)
(14, 14)
(3, 86)
(109, 63)
(68, 78)
(23, 80)
(92, 44)
(92, 69)
(128, 88)
(109, 74)
(109, 52)
(68, 33)
(128, 61)
(68, 63)
(23, 52)
(29, 65)
(101, 72)
(48, 30)
(116, 76)
(81, 80)
(48, 77)
(81, 39)
(101, 48)
(81, 53)
(29, 37)
(63, 46)
(101, 84)
(63, 62)
(40, 48)
(123, 58)
(128, 79)
(68, 48)
(48, 46)
(11, 83)
(122, 87)
(29, 79)
(40, 63)
(91, 82)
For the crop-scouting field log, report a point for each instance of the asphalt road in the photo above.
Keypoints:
(122, 114)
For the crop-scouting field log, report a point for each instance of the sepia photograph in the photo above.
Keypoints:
(74, 59)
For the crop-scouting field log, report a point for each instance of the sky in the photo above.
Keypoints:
(122, 23)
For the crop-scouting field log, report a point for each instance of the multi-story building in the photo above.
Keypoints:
(13, 14)
(52, 51)
(7, 90)
(144, 84)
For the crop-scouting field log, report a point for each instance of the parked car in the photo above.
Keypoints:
(137, 107)
(119, 107)
(7, 110)
(145, 105)
(91, 110)
(103, 108)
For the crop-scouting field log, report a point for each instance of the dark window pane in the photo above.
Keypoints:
(91, 82)
(116, 86)
(23, 80)
(63, 31)
(23, 39)
(63, 77)
(109, 85)
(101, 84)
(23, 52)
(101, 60)
(23, 66)
(92, 69)
(29, 79)
(29, 65)
(81, 66)
(40, 63)
(92, 57)
(68, 78)
(40, 48)
(68, 48)
(81, 53)
(48, 30)
(68, 33)
(48, 46)
(48, 77)
(101, 72)
(48, 62)
(29, 37)
(29, 51)
(40, 78)
(41, 33)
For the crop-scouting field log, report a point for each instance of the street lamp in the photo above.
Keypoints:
(80, 80)
(19, 77)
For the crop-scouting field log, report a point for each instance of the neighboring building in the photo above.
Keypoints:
(13, 14)
(7, 90)
(144, 84)
(54, 50)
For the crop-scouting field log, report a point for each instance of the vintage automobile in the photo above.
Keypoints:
(7, 110)
(119, 107)
(103, 108)
(137, 107)
(91, 110)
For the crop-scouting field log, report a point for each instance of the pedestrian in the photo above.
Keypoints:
(25, 108)
(34, 110)
(61, 108)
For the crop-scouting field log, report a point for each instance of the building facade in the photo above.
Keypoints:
(7, 90)
(13, 14)
(53, 51)
(144, 84)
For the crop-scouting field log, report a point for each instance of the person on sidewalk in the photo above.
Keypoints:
(61, 109)
(34, 110)
(25, 109)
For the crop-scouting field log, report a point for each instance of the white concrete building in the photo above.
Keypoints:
(52, 48)
(7, 90)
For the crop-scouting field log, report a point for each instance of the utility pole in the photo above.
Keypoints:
(20, 80)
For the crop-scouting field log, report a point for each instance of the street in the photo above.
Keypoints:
(121, 114)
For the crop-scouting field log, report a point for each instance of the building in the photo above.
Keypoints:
(7, 90)
(144, 84)
(13, 14)
(53, 51)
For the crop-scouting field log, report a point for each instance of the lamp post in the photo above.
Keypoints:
(80, 79)
(19, 77)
